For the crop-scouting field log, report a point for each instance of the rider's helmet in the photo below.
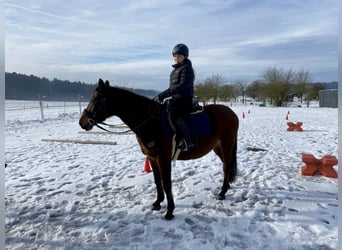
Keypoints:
(181, 49)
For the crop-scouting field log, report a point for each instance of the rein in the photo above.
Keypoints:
(92, 120)
(122, 132)
(112, 132)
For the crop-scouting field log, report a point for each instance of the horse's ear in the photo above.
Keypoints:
(102, 84)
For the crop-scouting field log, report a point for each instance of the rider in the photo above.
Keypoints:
(181, 89)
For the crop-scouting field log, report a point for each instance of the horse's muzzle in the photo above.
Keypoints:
(85, 123)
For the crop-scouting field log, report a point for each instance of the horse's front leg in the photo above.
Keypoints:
(165, 170)
(158, 182)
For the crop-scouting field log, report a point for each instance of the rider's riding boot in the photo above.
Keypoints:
(188, 143)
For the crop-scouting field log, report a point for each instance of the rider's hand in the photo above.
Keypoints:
(157, 99)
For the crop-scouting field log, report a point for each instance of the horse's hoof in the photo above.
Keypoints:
(221, 197)
(156, 207)
(169, 216)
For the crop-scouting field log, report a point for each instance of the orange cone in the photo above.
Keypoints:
(147, 167)
(287, 117)
(243, 115)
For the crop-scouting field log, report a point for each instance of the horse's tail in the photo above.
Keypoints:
(233, 164)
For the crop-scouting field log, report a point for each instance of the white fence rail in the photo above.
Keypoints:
(18, 110)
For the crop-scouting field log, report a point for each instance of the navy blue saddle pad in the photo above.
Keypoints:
(198, 123)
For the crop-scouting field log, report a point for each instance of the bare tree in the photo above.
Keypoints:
(203, 92)
(278, 84)
(302, 78)
(214, 83)
(241, 87)
(256, 90)
(227, 92)
(313, 92)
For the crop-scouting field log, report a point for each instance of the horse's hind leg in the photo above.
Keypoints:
(227, 155)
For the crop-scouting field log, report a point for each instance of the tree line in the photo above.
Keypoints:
(29, 87)
(276, 86)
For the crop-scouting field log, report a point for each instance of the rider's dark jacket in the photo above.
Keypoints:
(181, 81)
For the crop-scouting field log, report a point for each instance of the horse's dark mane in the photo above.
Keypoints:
(129, 92)
(129, 103)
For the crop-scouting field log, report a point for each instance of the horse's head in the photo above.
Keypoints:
(96, 111)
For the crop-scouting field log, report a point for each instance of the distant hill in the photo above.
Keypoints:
(329, 85)
(29, 87)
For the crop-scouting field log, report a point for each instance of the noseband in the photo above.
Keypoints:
(92, 120)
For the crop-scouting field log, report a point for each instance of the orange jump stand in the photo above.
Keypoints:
(323, 166)
(294, 126)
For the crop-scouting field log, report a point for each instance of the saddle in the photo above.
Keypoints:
(197, 121)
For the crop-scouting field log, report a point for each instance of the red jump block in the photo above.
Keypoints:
(294, 126)
(323, 166)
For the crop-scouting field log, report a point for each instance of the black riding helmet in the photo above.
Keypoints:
(181, 49)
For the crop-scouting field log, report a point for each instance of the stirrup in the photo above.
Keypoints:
(183, 146)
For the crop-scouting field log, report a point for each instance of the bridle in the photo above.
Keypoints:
(92, 119)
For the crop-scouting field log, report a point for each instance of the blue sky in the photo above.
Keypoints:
(129, 43)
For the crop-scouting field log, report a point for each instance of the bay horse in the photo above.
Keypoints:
(143, 116)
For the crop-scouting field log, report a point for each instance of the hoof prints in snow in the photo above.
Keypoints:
(71, 196)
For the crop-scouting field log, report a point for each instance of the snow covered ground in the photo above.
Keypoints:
(86, 196)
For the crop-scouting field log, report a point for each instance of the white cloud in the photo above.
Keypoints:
(79, 40)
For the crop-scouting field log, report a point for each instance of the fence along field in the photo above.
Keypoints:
(39, 111)
(18, 110)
